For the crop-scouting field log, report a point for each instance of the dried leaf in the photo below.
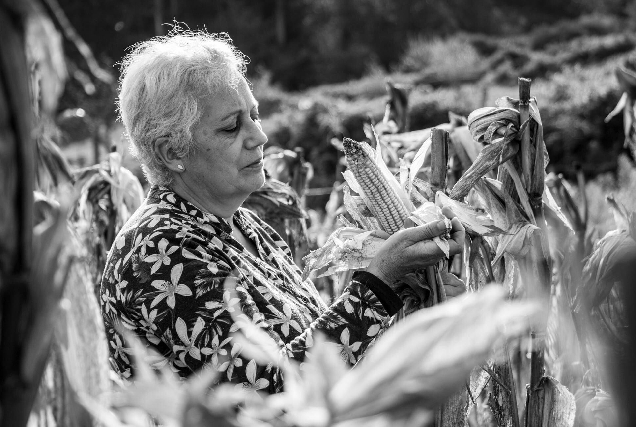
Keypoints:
(418, 160)
(359, 210)
(517, 241)
(157, 392)
(612, 258)
(521, 192)
(488, 159)
(494, 201)
(463, 136)
(620, 213)
(346, 248)
(550, 203)
(475, 222)
(46, 286)
(46, 55)
(601, 411)
(428, 213)
(430, 354)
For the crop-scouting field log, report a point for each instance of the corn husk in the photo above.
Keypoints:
(354, 247)
(347, 248)
(611, 258)
(426, 213)
(411, 141)
(462, 136)
(474, 221)
(600, 410)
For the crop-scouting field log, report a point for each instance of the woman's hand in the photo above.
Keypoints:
(413, 249)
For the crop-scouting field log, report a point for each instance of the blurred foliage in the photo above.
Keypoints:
(573, 80)
(319, 68)
(304, 43)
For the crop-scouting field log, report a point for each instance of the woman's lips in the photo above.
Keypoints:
(258, 162)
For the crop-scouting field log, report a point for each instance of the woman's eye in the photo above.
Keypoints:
(232, 129)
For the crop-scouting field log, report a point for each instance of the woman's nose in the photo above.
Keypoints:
(256, 135)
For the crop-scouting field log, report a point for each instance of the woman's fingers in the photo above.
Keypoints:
(448, 212)
(458, 234)
(425, 232)
(381, 234)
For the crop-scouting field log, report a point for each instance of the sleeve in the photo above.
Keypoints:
(171, 295)
(352, 322)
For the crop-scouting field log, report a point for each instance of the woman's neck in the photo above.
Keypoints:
(222, 208)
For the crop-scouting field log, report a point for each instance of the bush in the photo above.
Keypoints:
(566, 30)
(440, 55)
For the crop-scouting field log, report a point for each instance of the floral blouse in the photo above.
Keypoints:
(164, 280)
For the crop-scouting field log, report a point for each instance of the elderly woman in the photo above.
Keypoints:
(194, 124)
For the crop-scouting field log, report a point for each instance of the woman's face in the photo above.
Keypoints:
(227, 162)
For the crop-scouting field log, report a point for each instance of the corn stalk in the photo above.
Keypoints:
(17, 388)
(439, 167)
(538, 265)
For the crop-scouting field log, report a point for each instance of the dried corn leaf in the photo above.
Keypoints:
(611, 259)
(353, 183)
(620, 213)
(487, 160)
(418, 161)
(126, 191)
(157, 392)
(601, 411)
(462, 136)
(487, 122)
(622, 102)
(424, 192)
(475, 222)
(46, 55)
(494, 201)
(45, 288)
(517, 241)
(346, 249)
(429, 355)
(412, 141)
(550, 203)
(427, 213)
(359, 211)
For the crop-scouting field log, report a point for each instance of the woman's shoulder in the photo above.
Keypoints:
(158, 227)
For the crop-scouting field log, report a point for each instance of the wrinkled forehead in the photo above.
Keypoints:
(235, 87)
(228, 97)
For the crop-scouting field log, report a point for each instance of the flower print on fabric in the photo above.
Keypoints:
(164, 280)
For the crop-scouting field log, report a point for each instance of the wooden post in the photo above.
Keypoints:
(538, 263)
(524, 114)
(439, 159)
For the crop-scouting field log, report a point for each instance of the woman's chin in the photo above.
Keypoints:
(256, 180)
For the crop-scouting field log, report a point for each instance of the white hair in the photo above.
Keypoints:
(161, 82)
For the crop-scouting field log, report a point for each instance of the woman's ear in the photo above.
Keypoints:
(167, 156)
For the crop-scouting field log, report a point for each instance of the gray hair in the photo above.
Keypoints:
(161, 82)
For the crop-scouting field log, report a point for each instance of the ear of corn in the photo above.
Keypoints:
(384, 202)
